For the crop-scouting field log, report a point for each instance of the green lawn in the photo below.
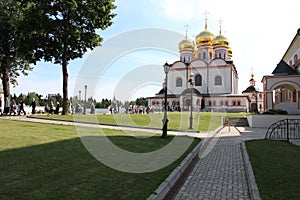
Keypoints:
(202, 121)
(43, 161)
(276, 167)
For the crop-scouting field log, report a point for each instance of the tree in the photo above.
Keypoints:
(16, 49)
(70, 30)
(141, 101)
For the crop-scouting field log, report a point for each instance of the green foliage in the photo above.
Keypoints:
(275, 112)
(69, 27)
(69, 30)
(15, 49)
(141, 101)
(103, 104)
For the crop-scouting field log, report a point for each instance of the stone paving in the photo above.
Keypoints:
(220, 172)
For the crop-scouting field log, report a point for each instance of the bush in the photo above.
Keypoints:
(275, 112)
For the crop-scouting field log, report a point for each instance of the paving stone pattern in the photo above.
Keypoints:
(218, 175)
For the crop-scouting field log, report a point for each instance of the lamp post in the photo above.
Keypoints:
(256, 99)
(84, 108)
(85, 89)
(191, 88)
(165, 119)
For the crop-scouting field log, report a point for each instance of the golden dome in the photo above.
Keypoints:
(229, 52)
(186, 44)
(220, 40)
(204, 38)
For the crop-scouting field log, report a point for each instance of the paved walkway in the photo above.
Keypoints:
(220, 172)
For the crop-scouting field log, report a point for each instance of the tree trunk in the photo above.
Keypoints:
(5, 79)
(65, 84)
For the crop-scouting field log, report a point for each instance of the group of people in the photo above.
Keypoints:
(11, 107)
(138, 109)
(79, 109)
(50, 109)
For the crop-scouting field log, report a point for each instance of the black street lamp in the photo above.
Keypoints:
(165, 119)
(84, 107)
(256, 99)
(192, 89)
(85, 90)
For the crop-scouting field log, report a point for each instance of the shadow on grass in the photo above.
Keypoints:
(66, 170)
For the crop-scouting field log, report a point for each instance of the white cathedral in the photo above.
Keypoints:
(206, 76)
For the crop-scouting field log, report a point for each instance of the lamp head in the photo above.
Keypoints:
(167, 67)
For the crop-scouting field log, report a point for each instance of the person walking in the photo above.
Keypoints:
(33, 105)
(1, 105)
(92, 108)
(6, 105)
(21, 108)
(13, 107)
(57, 108)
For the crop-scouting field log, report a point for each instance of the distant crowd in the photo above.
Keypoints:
(11, 107)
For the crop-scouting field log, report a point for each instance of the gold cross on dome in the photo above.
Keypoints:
(206, 13)
(220, 21)
(186, 30)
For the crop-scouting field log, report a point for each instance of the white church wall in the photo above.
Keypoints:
(217, 62)
(198, 63)
(265, 121)
(225, 73)
(275, 81)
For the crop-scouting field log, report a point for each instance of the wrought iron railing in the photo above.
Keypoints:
(285, 129)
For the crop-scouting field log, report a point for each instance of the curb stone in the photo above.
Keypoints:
(253, 189)
(170, 181)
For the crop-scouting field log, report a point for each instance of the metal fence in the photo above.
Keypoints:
(286, 129)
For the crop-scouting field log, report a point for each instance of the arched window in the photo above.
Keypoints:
(218, 80)
(209, 102)
(233, 102)
(295, 58)
(219, 55)
(198, 80)
(226, 103)
(179, 82)
(204, 55)
(221, 103)
(238, 102)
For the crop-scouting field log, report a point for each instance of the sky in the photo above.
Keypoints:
(259, 33)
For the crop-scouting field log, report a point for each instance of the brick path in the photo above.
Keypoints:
(220, 174)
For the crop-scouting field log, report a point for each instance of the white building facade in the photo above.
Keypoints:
(204, 75)
(282, 89)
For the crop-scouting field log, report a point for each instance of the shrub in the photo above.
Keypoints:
(275, 112)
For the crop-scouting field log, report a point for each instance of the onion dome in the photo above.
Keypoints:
(229, 52)
(220, 40)
(186, 44)
(204, 38)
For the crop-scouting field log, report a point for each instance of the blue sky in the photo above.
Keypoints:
(259, 32)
